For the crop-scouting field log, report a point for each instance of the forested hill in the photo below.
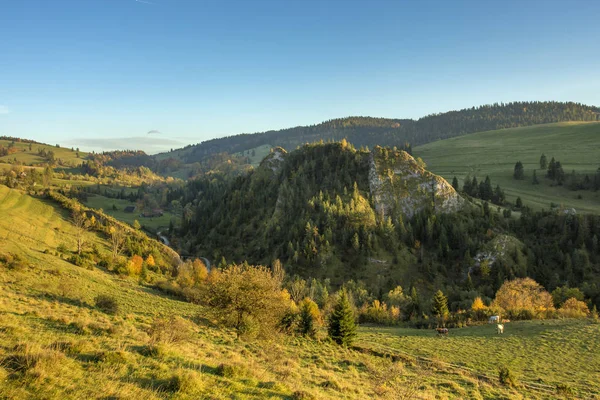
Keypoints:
(367, 131)
(330, 211)
(320, 208)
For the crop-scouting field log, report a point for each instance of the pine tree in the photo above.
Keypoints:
(535, 179)
(519, 203)
(309, 317)
(474, 187)
(439, 306)
(342, 327)
(455, 184)
(519, 172)
(543, 162)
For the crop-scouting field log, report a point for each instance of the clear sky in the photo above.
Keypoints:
(103, 73)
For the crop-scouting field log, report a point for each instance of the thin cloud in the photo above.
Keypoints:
(150, 145)
(154, 132)
(143, 1)
(4, 110)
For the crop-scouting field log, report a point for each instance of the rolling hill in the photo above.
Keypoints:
(29, 153)
(369, 131)
(494, 153)
(57, 341)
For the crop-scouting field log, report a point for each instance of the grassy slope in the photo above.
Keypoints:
(260, 153)
(105, 203)
(47, 312)
(31, 157)
(548, 352)
(494, 153)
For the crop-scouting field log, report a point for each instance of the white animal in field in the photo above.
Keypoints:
(494, 318)
(500, 328)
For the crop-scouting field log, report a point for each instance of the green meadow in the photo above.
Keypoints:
(541, 352)
(575, 144)
(106, 204)
(31, 157)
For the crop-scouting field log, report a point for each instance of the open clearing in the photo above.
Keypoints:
(575, 144)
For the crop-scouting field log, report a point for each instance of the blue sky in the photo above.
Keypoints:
(102, 73)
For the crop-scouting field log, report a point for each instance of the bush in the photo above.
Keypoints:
(80, 261)
(506, 377)
(107, 304)
(169, 330)
(231, 371)
(573, 308)
(12, 261)
(564, 389)
(302, 395)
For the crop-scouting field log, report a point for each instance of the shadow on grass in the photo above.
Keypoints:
(63, 299)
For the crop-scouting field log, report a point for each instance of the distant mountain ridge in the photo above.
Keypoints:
(369, 131)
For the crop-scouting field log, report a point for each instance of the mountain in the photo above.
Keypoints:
(368, 131)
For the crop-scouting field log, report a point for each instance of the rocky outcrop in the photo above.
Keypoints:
(274, 160)
(399, 184)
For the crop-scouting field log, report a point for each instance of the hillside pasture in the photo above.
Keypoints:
(106, 204)
(547, 352)
(575, 144)
(31, 157)
(256, 155)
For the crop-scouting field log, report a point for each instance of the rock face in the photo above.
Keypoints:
(398, 184)
(274, 160)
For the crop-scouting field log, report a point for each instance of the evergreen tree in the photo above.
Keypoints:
(543, 162)
(309, 317)
(535, 179)
(519, 172)
(498, 197)
(519, 203)
(551, 169)
(474, 187)
(455, 184)
(342, 327)
(439, 306)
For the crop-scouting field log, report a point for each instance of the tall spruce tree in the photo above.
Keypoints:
(439, 306)
(543, 162)
(519, 172)
(342, 326)
(455, 184)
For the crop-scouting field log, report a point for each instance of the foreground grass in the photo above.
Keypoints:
(575, 144)
(56, 344)
(549, 352)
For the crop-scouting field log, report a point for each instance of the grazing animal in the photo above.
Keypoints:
(504, 321)
(442, 331)
(500, 328)
(494, 318)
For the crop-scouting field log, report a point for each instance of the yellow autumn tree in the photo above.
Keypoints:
(134, 266)
(478, 304)
(150, 261)
(523, 294)
(573, 308)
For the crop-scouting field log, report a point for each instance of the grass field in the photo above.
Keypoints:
(31, 157)
(260, 153)
(494, 153)
(106, 204)
(548, 352)
(56, 344)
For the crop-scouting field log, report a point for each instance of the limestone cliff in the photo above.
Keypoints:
(399, 184)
